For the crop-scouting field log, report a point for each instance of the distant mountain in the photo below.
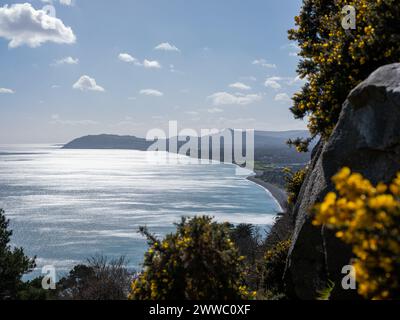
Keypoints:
(109, 141)
(270, 146)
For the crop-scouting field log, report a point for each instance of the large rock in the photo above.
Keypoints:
(366, 139)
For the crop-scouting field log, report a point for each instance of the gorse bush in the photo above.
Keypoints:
(335, 60)
(368, 218)
(199, 261)
(294, 182)
(272, 268)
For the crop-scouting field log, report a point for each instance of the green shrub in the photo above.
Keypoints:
(294, 182)
(198, 262)
(335, 60)
(33, 290)
(272, 268)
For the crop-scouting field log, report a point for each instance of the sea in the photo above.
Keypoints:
(66, 206)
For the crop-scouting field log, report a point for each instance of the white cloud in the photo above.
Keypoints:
(66, 60)
(148, 64)
(282, 97)
(172, 69)
(263, 63)
(167, 47)
(215, 110)
(151, 92)
(63, 2)
(24, 25)
(225, 98)
(86, 83)
(240, 86)
(6, 91)
(151, 64)
(296, 80)
(273, 82)
(126, 57)
(293, 48)
(66, 2)
(277, 82)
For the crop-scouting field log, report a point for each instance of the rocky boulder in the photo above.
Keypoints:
(366, 139)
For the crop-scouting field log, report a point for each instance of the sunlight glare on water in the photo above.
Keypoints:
(68, 205)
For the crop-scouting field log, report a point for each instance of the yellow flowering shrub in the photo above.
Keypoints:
(368, 218)
(335, 60)
(198, 262)
(294, 182)
(272, 268)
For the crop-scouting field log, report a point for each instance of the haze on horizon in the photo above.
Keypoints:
(125, 67)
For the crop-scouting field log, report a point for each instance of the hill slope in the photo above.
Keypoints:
(270, 146)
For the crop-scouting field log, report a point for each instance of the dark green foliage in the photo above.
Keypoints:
(294, 182)
(249, 243)
(265, 260)
(200, 261)
(272, 268)
(301, 144)
(276, 175)
(13, 263)
(246, 239)
(32, 290)
(335, 60)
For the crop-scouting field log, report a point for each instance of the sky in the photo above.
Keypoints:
(69, 68)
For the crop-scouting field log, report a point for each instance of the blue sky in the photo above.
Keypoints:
(127, 66)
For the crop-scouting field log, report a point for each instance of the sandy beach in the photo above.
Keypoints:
(279, 194)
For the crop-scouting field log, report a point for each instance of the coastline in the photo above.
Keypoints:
(279, 194)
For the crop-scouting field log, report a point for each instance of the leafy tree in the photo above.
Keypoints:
(247, 240)
(13, 263)
(99, 279)
(199, 261)
(335, 60)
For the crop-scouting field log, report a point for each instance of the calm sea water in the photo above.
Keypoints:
(68, 205)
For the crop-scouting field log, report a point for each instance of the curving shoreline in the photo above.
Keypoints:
(279, 194)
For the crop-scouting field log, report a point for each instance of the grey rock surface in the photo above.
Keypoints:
(366, 139)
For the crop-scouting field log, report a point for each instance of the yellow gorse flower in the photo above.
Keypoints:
(199, 261)
(335, 60)
(367, 217)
